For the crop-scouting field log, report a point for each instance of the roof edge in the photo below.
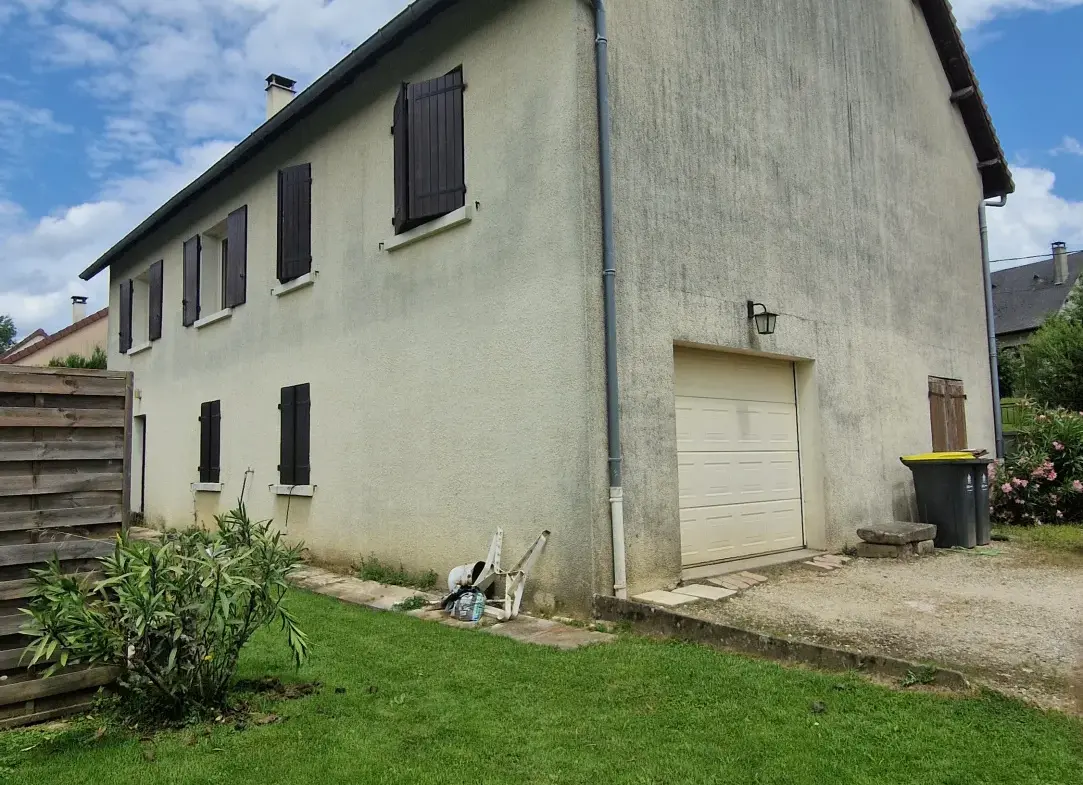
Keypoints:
(996, 177)
(386, 39)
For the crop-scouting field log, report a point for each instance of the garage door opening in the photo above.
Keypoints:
(738, 462)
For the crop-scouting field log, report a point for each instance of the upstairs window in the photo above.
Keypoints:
(430, 158)
(141, 308)
(294, 222)
(210, 441)
(216, 268)
(295, 411)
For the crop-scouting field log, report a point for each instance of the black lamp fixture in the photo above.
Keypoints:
(765, 320)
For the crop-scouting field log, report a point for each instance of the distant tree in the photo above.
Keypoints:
(96, 360)
(7, 333)
(1053, 363)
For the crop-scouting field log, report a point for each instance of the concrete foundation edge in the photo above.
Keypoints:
(648, 620)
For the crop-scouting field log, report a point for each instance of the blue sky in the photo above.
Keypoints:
(108, 107)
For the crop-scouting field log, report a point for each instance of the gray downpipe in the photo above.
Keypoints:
(990, 323)
(609, 275)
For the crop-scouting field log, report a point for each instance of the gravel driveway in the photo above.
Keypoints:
(1003, 615)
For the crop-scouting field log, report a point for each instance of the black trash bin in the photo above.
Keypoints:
(951, 489)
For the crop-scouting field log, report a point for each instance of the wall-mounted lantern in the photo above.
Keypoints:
(764, 319)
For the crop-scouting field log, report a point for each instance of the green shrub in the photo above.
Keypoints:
(1052, 372)
(1042, 482)
(174, 615)
(372, 569)
(97, 359)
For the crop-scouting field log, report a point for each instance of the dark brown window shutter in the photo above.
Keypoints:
(205, 442)
(402, 173)
(190, 301)
(288, 411)
(126, 289)
(294, 222)
(215, 462)
(435, 167)
(236, 258)
(938, 413)
(303, 402)
(947, 412)
(154, 330)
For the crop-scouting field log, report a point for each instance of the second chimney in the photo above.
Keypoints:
(279, 93)
(78, 308)
(1060, 263)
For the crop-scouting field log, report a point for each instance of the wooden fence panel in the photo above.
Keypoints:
(65, 442)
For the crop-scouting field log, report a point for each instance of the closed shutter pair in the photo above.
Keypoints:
(295, 409)
(154, 306)
(430, 164)
(234, 276)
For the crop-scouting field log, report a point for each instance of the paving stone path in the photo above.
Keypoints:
(379, 596)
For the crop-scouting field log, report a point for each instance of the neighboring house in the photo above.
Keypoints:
(382, 312)
(82, 336)
(1025, 296)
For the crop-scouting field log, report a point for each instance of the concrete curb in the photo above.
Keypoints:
(648, 620)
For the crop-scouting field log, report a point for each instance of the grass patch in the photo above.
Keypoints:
(1062, 544)
(405, 701)
(372, 569)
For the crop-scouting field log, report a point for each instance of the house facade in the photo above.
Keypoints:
(382, 314)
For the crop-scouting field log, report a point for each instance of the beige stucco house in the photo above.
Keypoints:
(82, 337)
(385, 314)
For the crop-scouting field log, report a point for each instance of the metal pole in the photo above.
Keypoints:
(990, 323)
(609, 275)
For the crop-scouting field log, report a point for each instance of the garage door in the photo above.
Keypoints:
(737, 457)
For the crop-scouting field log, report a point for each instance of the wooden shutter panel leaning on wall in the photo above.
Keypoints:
(236, 261)
(430, 153)
(126, 290)
(190, 301)
(294, 222)
(154, 329)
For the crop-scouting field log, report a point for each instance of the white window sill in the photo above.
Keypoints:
(143, 347)
(208, 487)
(304, 281)
(293, 490)
(464, 214)
(206, 321)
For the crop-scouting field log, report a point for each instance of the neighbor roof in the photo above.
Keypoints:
(49, 340)
(38, 333)
(996, 178)
(1025, 296)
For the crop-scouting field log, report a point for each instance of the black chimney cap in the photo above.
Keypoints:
(275, 80)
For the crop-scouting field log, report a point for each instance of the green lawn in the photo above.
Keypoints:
(427, 704)
(1061, 544)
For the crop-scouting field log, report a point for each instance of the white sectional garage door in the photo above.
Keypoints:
(737, 456)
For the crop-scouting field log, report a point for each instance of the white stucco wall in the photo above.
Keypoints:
(806, 157)
(448, 378)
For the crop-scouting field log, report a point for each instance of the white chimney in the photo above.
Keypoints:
(78, 308)
(1060, 263)
(279, 93)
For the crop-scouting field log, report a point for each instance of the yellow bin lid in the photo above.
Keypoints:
(940, 456)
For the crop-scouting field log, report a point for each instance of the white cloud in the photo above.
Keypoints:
(44, 257)
(172, 78)
(1034, 218)
(1068, 146)
(971, 13)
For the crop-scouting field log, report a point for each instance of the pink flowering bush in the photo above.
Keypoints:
(1042, 481)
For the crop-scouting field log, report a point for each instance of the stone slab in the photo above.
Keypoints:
(830, 558)
(754, 577)
(822, 566)
(545, 632)
(705, 592)
(925, 548)
(665, 598)
(731, 582)
(897, 533)
(873, 550)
